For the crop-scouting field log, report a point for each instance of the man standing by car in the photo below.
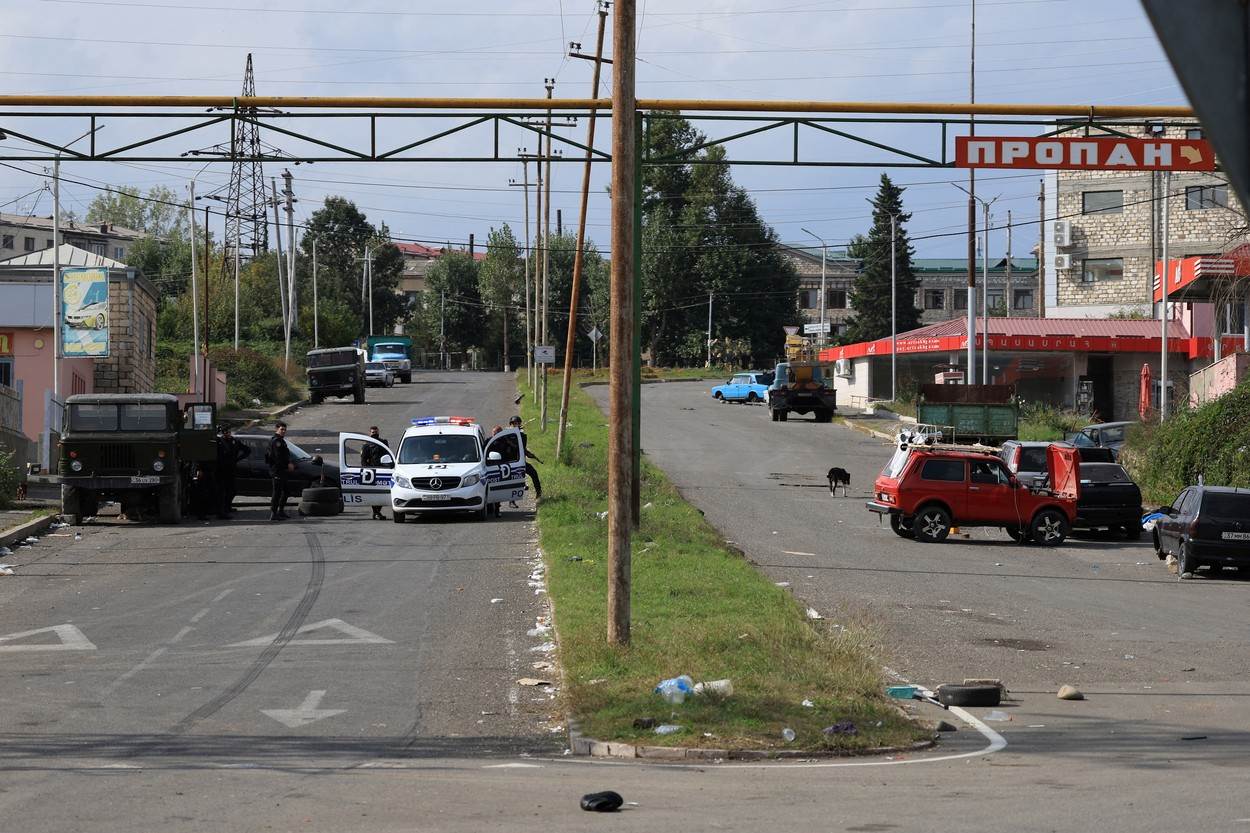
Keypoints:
(229, 452)
(371, 458)
(516, 423)
(280, 466)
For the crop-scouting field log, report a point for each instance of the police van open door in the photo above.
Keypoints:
(365, 470)
(505, 467)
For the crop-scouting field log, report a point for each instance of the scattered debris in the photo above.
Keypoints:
(998, 563)
(667, 729)
(537, 631)
(5, 551)
(603, 516)
(997, 716)
(1183, 670)
(1067, 692)
(644, 723)
(647, 505)
(6, 569)
(1193, 737)
(808, 704)
(604, 802)
(901, 692)
(723, 688)
(532, 681)
(1129, 656)
(495, 601)
(842, 727)
(943, 726)
(676, 689)
(813, 614)
(574, 558)
(787, 734)
(542, 665)
(545, 648)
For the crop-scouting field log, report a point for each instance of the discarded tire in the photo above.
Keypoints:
(321, 501)
(969, 695)
(604, 802)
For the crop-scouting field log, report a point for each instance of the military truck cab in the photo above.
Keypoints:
(137, 449)
(336, 371)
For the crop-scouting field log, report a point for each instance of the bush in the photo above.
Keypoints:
(1212, 441)
(1041, 421)
(251, 375)
(10, 477)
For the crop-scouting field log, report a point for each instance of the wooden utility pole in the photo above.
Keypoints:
(578, 258)
(551, 85)
(620, 437)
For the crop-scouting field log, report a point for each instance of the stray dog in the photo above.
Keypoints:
(839, 477)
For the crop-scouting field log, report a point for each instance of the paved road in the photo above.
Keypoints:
(159, 723)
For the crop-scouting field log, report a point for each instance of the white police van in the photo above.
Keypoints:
(442, 464)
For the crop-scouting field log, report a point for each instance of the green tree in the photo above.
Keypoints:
(501, 280)
(453, 304)
(870, 292)
(702, 234)
(122, 206)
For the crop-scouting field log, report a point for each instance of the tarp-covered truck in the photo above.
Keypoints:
(393, 351)
(970, 413)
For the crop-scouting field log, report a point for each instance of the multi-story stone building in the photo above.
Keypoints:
(417, 260)
(1102, 250)
(943, 291)
(840, 272)
(21, 234)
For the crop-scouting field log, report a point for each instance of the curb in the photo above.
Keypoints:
(866, 430)
(277, 414)
(581, 745)
(21, 531)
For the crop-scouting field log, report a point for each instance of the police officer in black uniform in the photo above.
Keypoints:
(280, 466)
(515, 422)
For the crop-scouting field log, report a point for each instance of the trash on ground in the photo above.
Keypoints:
(1183, 670)
(545, 648)
(603, 516)
(901, 692)
(998, 563)
(788, 735)
(1129, 656)
(813, 614)
(6, 569)
(842, 727)
(943, 726)
(1067, 692)
(495, 601)
(537, 631)
(667, 729)
(542, 665)
(808, 704)
(647, 505)
(676, 689)
(604, 802)
(783, 584)
(997, 717)
(5, 551)
(1193, 737)
(723, 688)
(77, 536)
(644, 723)
(575, 558)
(532, 681)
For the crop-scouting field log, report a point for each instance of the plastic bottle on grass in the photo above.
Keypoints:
(676, 689)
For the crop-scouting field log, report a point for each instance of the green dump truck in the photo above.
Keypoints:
(987, 414)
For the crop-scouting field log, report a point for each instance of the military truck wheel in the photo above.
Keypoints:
(824, 415)
(781, 415)
(316, 398)
(772, 414)
(169, 505)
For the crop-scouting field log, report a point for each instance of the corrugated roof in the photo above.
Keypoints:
(1053, 328)
(68, 227)
(960, 264)
(70, 256)
(421, 250)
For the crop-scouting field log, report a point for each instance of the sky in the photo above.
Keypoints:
(1028, 51)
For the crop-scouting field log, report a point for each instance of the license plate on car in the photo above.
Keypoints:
(145, 479)
(436, 498)
(1236, 536)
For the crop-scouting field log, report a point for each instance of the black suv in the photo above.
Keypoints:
(1205, 525)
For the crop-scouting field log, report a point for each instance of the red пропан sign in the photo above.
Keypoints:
(1073, 153)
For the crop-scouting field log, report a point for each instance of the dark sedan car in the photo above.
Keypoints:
(252, 475)
(1109, 500)
(1206, 526)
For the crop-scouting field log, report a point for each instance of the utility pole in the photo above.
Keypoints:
(366, 291)
(1164, 275)
(621, 437)
(292, 306)
(1010, 302)
(578, 258)
(985, 296)
(972, 295)
(207, 260)
(282, 299)
(709, 330)
(824, 252)
(195, 314)
(57, 348)
(529, 256)
(971, 190)
(236, 295)
(1041, 249)
(893, 309)
(550, 84)
(316, 330)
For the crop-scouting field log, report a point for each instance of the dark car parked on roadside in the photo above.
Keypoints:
(1109, 500)
(1205, 526)
(252, 477)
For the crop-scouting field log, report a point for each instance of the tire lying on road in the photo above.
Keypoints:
(321, 501)
(969, 695)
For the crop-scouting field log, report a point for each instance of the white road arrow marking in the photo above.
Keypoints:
(352, 635)
(305, 714)
(71, 638)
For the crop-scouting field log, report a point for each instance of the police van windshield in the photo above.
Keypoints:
(439, 448)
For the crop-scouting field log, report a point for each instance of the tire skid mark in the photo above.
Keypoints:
(292, 626)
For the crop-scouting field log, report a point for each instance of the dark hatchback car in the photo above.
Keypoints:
(1109, 500)
(252, 473)
(1206, 526)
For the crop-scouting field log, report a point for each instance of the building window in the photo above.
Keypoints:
(1102, 269)
(7, 242)
(28, 244)
(1194, 133)
(961, 300)
(119, 253)
(1200, 197)
(1102, 202)
(809, 299)
(47, 244)
(6, 372)
(935, 299)
(995, 300)
(836, 298)
(1023, 299)
(99, 249)
(78, 384)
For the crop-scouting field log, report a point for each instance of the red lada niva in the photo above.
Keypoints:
(927, 490)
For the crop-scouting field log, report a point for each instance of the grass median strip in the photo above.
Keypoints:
(699, 608)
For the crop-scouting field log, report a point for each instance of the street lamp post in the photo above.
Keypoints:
(985, 290)
(824, 255)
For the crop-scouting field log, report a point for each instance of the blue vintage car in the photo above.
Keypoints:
(750, 386)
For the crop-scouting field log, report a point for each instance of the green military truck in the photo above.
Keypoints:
(336, 371)
(986, 414)
(139, 449)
